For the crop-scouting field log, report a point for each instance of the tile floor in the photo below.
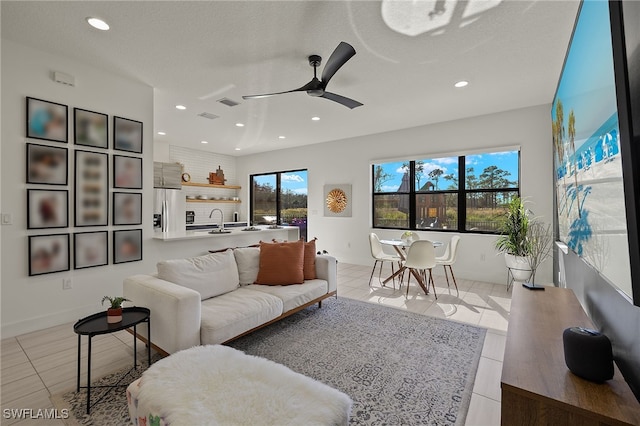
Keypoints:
(43, 363)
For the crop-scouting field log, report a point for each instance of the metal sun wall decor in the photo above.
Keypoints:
(337, 200)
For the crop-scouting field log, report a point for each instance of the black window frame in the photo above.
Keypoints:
(278, 190)
(462, 192)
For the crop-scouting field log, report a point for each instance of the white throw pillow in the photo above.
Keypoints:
(248, 260)
(210, 275)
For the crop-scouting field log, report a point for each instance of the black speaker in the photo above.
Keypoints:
(588, 354)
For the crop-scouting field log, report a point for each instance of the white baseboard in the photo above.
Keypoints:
(40, 323)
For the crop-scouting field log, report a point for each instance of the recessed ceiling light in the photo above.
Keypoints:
(315, 118)
(461, 83)
(237, 149)
(239, 125)
(281, 137)
(204, 142)
(98, 24)
(161, 133)
(181, 107)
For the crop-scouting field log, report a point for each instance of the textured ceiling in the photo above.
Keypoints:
(196, 52)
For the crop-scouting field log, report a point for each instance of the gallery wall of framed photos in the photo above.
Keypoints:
(73, 222)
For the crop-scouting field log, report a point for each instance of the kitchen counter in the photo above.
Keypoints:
(262, 233)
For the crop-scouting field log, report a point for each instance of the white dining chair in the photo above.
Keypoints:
(421, 257)
(449, 258)
(380, 256)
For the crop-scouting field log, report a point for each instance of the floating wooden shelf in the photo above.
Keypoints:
(207, 185)
(213, 201)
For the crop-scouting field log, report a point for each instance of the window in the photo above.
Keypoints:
(280, 198)
(465, 193)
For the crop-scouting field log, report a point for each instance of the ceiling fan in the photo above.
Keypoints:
(316, 87)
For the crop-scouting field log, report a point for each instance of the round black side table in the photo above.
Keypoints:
(97, 324)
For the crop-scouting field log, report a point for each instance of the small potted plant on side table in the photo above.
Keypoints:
(114, 313)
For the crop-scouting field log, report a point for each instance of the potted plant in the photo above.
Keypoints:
(114, 313)
(409, 237)
(513, 240)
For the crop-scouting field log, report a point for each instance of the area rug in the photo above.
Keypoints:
(399, 368)
(109, 405)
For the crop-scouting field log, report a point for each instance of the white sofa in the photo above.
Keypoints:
(215, 301)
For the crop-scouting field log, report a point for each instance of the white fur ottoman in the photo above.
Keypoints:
(218, 385)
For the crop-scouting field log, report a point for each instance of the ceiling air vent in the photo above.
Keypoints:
(208, 115)
(228, 102)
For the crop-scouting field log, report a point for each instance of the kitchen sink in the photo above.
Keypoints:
(219, 231)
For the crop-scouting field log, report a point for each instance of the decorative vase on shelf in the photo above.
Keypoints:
(114, 315)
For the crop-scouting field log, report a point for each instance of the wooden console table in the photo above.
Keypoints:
(537, 386)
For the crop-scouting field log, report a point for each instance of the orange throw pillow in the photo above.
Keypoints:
(281, 263)
(310, 260)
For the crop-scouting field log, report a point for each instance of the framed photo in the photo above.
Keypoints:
(48, 254)
(127, 135)
(46, 165)
(91, 128)
(337, 200)
(47, 208)
(127, 246)
(91, 188)
(47, 120)
(127, 172)
(127, 208)
(90, 249)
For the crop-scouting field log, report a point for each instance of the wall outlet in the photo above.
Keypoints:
(67, 284)
(483, 257)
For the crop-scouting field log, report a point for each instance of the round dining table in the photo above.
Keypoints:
(400, 247)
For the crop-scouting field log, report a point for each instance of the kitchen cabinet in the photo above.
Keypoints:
(167, 175)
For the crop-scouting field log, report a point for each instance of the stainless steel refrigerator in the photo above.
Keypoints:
(169, 210)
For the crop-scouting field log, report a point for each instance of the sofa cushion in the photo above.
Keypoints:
(210, 275)
(309, 266)
(281, 263)
(248, 260)
(293, 296)
(227, 316)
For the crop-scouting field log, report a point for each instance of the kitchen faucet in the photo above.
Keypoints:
(221, 226)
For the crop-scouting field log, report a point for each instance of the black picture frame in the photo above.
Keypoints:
(127, 246)
(127, 135)
(47, 165)
(90, 249)
(48, 254)
(91, 188)
(127, 208)
(47, 120)
(47, 208)
(127, 172)
(90, 128)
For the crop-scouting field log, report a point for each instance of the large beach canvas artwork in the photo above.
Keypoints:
(589, 186)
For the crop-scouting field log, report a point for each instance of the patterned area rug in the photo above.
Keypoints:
(397, 366)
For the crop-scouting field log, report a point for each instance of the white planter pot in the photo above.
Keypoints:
(519, 266)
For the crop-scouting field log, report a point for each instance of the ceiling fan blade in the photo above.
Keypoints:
(313, 84)
(338, 58)
(349, 103)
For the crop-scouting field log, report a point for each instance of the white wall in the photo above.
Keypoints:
(349, 161)
(31, 303)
